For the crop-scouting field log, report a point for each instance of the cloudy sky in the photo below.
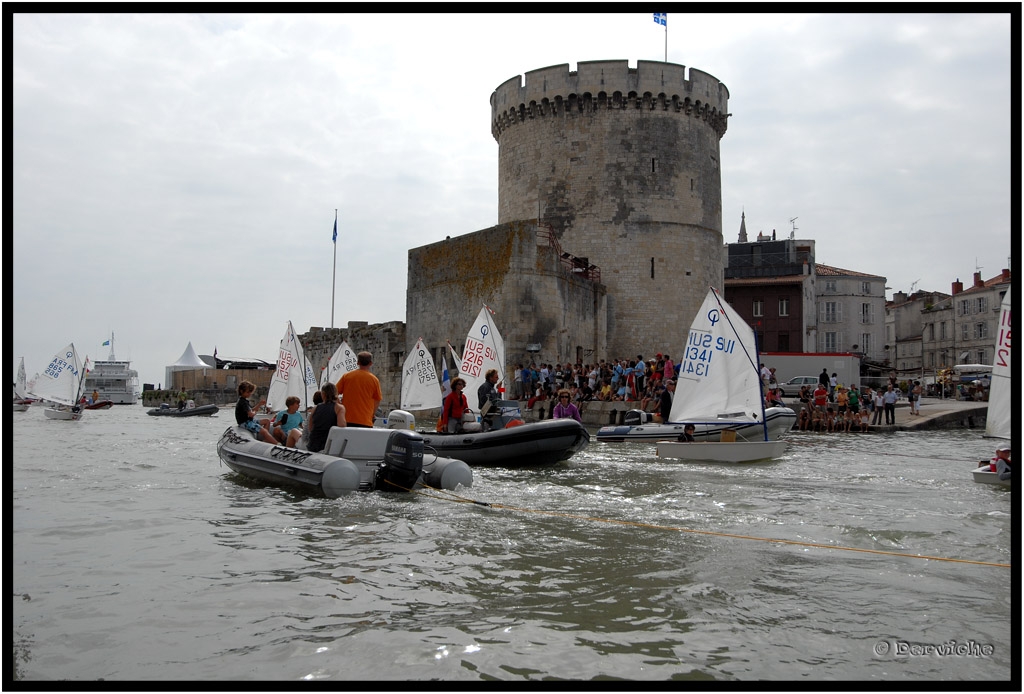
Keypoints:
(175, 177)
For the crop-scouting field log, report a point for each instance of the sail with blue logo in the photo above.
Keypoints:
(718, 375)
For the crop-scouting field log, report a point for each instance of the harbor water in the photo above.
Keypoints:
(137, 556)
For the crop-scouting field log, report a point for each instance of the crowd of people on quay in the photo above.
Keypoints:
(833, 407)
(641, 381)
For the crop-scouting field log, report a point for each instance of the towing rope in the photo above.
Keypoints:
(455, 498)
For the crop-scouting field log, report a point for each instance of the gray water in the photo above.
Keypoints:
(138, 556)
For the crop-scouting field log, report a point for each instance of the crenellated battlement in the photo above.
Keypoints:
(610, 85)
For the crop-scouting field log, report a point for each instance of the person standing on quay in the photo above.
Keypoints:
(878, 401)
(360, 393)
(890, 404)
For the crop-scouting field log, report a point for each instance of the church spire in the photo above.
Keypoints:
(743, 227)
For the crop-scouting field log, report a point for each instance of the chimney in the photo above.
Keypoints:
(978, 282)
(1006, 275)
(958, 286)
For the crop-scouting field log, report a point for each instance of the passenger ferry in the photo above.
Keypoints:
(114, 380)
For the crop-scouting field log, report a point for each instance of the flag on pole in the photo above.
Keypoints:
(105, 343)
(661, 18)
(335, 238)
(446, 383)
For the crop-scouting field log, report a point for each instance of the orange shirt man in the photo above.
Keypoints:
(360, 393)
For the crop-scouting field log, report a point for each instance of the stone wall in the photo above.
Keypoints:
(517, 270)
(385, 341)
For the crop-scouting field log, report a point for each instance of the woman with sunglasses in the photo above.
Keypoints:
(565, 407)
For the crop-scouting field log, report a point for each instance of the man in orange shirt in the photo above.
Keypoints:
(360, 393)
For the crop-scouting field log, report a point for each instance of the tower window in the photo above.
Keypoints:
(654, 166)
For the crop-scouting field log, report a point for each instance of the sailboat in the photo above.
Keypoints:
(21, 399)
(484, 350)
(719, 384)
(998, 419)
(341, 362)
(293, 375)
(420, 388)
(61, 383)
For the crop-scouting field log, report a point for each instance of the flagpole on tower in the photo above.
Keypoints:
(662, 19)
(334, 272)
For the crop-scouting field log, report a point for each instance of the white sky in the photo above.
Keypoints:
(175, 177)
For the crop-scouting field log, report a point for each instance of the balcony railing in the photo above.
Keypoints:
(581, 267)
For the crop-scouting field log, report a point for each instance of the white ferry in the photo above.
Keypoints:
(114, 380)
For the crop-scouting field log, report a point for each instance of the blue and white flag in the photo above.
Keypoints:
(335, 237)
(661, 18)
(446, 382)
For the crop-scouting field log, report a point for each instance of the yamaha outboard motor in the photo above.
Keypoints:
(636, 417)
(403, 462)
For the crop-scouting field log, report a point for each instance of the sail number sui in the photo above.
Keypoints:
(700, 348)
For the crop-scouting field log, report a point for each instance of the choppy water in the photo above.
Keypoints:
(138, 556)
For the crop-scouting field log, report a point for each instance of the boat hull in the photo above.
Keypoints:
(372, 465)
(201, 411)
(537, 443)
(722, 451)
(984, 475)
(101, 405)
(65, 414)
(20, 407)
(780, 421)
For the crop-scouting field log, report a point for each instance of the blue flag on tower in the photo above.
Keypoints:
(661, 18)
(335, 237)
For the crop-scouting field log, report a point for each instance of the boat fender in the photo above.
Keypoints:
(339, 476)
(454, 473)
(514, 423)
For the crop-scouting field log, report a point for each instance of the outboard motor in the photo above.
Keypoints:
(403, 462)
(636, 417)
(400, 419)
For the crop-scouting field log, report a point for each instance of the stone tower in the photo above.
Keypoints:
(623, 164)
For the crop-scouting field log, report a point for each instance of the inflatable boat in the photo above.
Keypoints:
(353, 459)
(99, 405)
(509, 442)
(166, 410)
(638, 425)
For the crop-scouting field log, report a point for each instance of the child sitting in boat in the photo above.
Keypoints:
(454, 406)
(245, 416)
(287, 419)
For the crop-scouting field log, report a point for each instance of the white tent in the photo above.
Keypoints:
(188, 361)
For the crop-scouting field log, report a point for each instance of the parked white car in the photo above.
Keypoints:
(791, 388)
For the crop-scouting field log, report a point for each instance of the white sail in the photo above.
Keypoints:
(341, 362)
(60, 381)
(718, 377)
(293, 376)
(484, 350)
(997, 421)
(420, 387)
(20, 386)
